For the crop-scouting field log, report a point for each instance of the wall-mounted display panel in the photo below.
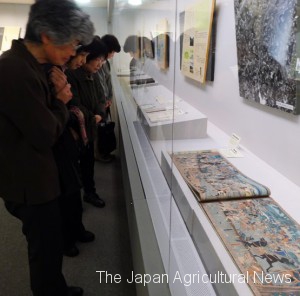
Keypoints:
(198, 20)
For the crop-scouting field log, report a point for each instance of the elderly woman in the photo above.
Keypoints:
(67, 154)
(31, 120)
(91, 102)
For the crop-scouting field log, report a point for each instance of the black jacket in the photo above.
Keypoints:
(31, 121)
(87, 97)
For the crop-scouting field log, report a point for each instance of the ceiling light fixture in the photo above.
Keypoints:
(135, 2)
(83, 1)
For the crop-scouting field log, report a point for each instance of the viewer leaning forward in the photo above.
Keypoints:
(31, 120)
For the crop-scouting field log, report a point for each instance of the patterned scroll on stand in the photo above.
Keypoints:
(212, 177)
(263, 240)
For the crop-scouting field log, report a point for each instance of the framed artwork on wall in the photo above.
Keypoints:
(196, 41)
(181, 30)
(162, 45)
(7, 34)
(210, 71)
(1, 36)
(148, 47)
(266, 35)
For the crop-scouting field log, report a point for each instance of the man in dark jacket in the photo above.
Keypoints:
(31, 120)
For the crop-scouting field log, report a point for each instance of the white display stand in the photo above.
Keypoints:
(177, 250)
(185, 121)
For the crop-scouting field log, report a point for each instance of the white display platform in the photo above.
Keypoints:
(182, 121)
(176, 246)
(177, 250)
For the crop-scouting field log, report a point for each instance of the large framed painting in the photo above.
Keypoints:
(198, 20)
(266, 35)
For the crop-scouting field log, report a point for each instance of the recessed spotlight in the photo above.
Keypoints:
(135, 2)
(83, 1)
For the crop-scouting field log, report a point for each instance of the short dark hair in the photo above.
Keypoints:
(62, 20)
(111, 42)
(91, 47)
(97, 49)
(132, 44)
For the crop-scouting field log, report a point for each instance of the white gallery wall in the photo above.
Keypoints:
(274, 136)
(14, 15)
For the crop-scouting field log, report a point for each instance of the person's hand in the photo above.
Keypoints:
(61, 86)
(108, 104)
(98, 118)
(58, 78)
(65, 94)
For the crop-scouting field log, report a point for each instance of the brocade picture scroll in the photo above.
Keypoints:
(263, 240)
(211, 177)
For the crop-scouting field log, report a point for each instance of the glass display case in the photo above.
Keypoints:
(194, 77)
(185, 82)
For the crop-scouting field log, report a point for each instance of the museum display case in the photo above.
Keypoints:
(217, 77)
(186, 84)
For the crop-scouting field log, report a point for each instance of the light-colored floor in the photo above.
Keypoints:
(109, 252)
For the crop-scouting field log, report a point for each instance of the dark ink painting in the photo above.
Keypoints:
(266, 33)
